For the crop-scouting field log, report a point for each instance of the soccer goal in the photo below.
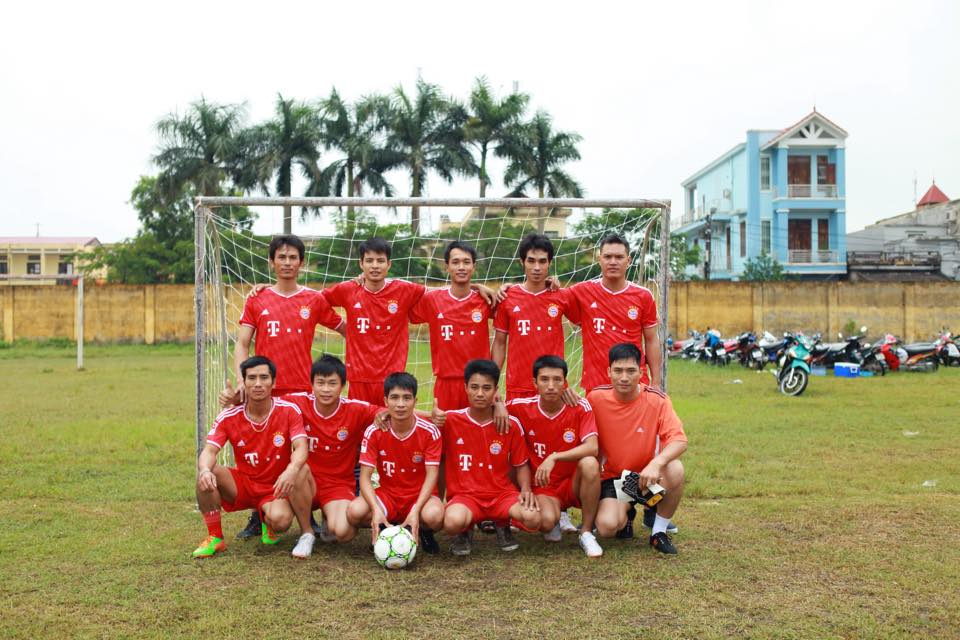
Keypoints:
(230, 260)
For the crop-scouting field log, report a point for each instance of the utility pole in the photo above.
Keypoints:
(709, 233)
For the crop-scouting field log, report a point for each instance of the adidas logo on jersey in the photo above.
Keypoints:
(382, 452)
(357, 306)
(459, 440)
(440, 316)
(639, 429)
(516, 309)
(593, 305)
(241, 444)
(265, 312)
(531, 432)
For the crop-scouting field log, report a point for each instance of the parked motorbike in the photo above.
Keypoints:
(714, 351)
(846, 350)
(871, 359)
(949, 352)
(793, 372)
(918, 356)
(767, 349)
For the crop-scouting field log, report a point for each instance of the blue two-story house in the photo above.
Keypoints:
(780, 193)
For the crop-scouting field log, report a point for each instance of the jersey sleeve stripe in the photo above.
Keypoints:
(283, 403)
(520, 464)
(585, 404)
(299, 435)
(519, 425)
(367, 464)
(369, 431)
(589, 435)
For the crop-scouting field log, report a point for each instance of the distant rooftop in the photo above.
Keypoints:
(50, 240)
(933, 196)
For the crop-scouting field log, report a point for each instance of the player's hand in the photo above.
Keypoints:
(257, 288)
(382, 420)
(439, 417)
(502, 291)
(376, 520)
(529, 501)
(570, 397)
(413, 521)
(553, 283)
(207, 481)
(284, 484)
(229, 396)
(501, 418)
(360, 279)
(542, 478)
(651, 474)
(486, 293)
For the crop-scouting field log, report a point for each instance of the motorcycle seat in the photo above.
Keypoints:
(919, 347)
(776, 344)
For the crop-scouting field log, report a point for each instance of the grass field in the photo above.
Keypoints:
(804, 518)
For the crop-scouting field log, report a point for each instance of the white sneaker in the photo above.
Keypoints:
(304, 546)
(554, 535)
(590, 546)
(566, 526)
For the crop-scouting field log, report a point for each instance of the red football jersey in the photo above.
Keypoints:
(607, 318)
(402, 463)
(335, 440)
(377, 326)
(283, 331)
(459, 329)
(533, 323)
(545, 434)
(478, 459)
(261, 449)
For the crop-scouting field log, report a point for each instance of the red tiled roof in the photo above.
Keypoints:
(933, 196)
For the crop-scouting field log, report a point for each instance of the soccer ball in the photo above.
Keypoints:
(395, 548)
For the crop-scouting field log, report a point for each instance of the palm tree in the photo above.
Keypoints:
(293, 137)
(489, 123)
(536, 153)
(198, 148)
(427, 131)
(357, 131)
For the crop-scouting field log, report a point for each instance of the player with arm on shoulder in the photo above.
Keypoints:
(406, 457)
(631, 419)
(562, 442)
(479, 460)
(270, 447)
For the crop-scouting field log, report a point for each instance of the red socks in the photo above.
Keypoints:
(212, 520)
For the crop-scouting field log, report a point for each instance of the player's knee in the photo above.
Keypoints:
(280, 520)
(455, 521)
(589, 468)
(531, 520)
(548, 520)
(609, 522)
(674, 474)
(432, 515)
(357, 511)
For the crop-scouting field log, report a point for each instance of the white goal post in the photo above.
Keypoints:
(212, 327)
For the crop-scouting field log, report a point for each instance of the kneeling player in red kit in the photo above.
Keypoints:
(406, 457)
(269, 477)
(562, 442)
(479, 460)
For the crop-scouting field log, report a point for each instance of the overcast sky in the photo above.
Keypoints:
(657, 91)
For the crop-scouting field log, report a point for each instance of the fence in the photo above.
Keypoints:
(164, 313)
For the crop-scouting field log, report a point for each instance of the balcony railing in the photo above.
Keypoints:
(806, 256)
(811, 191)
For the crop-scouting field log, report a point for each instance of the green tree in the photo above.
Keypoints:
(427, 131)
(273, 149)
(682, 256)
(536, 154)
(489, 123)
(762, 268)
(199, 148)
(357, 131)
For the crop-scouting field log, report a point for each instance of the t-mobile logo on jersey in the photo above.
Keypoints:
(523, 326)
(388, 467)
(363, 324)
(465, 459)
(252, 458)
(273, 328)
(312, 443)
(446, 330)
(598, 324)
(540, 448)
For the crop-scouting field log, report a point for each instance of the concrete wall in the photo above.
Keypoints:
(164, 313)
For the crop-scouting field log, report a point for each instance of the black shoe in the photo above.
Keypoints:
(252, 530)
(317, 529)
(487, 526)
(627, 532)
(649, 517)
(661, 542)
(427, 542)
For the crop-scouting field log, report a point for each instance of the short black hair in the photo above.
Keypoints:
(463, 246)
(375, 245)
(533, 241)
(400, 380)
(549, 362)
(487, 368)
(614, 238)
(289, 240)
(625, 351)
(327, 365)
(256, 361)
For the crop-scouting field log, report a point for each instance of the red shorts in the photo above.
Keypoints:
(513, 394)
(395, 508)
(496, 508)
(450, 394)
(371, 392)
(562, 491)
(250, 493)
(329, 490)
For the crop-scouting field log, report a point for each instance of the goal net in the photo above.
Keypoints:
(230, 260)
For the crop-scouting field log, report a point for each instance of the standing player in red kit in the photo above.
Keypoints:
(406, 456)
(281, 320)
(458, 319)
(479, 460)
(562, 442)
(270, 447)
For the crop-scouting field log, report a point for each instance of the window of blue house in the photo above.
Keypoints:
(765, 236)
(743, 239)
(764, 173)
